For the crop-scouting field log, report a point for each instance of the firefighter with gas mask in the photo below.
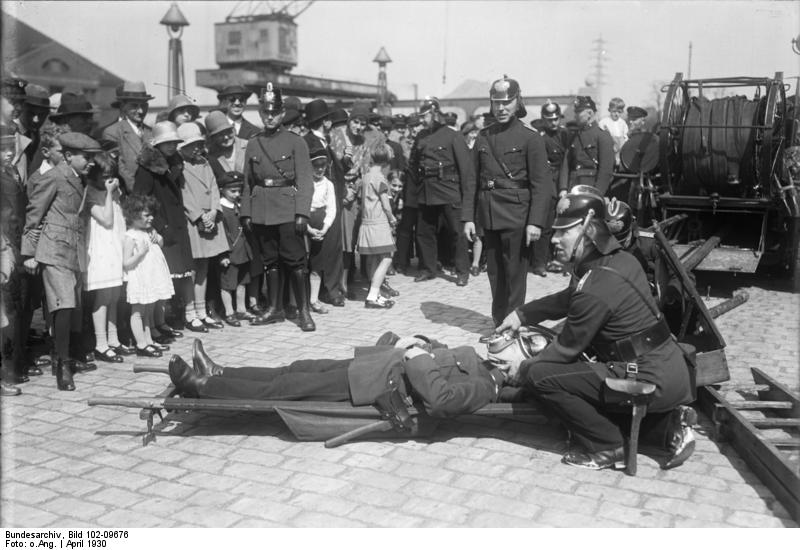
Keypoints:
(609, 310)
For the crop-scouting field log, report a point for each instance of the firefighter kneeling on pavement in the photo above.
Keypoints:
(608, 309)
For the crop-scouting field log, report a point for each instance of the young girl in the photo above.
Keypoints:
(204, 215)
(106, 231)
(375, 242)
(323, 212)
(145, 269)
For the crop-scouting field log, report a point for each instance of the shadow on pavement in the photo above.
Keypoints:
(465, 319)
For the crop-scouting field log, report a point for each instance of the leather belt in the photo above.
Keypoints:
(635, 345)
(270, 182)
(504, 183)
(438, 171)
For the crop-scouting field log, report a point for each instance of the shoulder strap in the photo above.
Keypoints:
(269, 158)
(653, 309)
(493, 152)
(594, 160)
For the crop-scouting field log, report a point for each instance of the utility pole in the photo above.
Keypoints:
(689, 71)
(599, 53)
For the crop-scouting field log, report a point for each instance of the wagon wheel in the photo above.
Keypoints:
(769, 142)
(671, 130)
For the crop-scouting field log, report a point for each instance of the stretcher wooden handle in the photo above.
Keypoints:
(379, 426)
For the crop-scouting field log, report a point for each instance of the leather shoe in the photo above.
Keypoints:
(233, 321)
(338, 301)
(211, 323)
(270, 317)
(462, 280)
(33, 370)
(196, 326)
(8, 390)
(148, 351)
(167, 330)
(539, 271)
(680, 437)
(424, 276)
(108, 356)
(474, 270)
(389, 291)
(185, 379)
(163, 339)
(14, 378)
(202, 363)
(291, 312)
(63, 372)
(612, 458)
(77, 366)
(380, 303)
(124, 350)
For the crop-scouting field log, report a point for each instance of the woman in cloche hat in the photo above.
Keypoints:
(160, 175)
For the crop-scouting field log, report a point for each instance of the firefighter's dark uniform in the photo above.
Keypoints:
(556, 143)
(605, 313)
(512, 189)
(441, 166)
(589, 159)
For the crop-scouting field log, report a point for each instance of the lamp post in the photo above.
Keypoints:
(382, 58)
(174, 21)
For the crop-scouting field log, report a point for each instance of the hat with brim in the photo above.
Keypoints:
(318, 153)
(316, 110)
(360, 109)
(72, 104)
(79, 142)
(131, 91)
(180, 101)
(189, 133)
(291, 117)
(234, 90)
(164, 132)
(217, 122)
(37, 96)
(339, 116)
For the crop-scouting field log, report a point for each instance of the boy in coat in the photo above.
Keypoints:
(235, 274)
(56, 204)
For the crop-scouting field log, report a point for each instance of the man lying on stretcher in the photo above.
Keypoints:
(447, 382)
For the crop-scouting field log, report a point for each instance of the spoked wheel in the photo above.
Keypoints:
(671, 129)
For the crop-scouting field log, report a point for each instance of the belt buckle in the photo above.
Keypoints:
(632, 369)
(490, 184)
(268, 182)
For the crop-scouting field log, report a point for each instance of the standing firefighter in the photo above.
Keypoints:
(510, 197)
(276, 202)
(590, 157)
(441, 167)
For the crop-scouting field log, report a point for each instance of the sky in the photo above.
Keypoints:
(547, 46)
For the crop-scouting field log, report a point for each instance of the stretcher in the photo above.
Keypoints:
(335, 423)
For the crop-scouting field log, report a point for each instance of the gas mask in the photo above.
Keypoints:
(507, 351)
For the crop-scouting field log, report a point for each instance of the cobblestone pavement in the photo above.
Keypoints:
(66, 464)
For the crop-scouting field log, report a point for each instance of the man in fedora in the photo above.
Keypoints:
(130, 131)
(316, 113)
(276, 202)
(35, 108)
(75, 112)
(232, 100)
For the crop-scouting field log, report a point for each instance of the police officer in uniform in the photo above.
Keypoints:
(441, 166)
(608, 308)
(590, 157)
(510, 196)
(276, 201)
(556, 141)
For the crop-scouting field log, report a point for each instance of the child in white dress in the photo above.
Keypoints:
(146, 270)
(105, 232)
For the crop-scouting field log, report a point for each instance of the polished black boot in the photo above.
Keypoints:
(186, 380)
(64, 379)
(203, 364)
(274, 313)
(300, 285)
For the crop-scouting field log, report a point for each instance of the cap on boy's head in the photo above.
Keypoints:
(231, 179)
(318, 153)
(79, 142)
